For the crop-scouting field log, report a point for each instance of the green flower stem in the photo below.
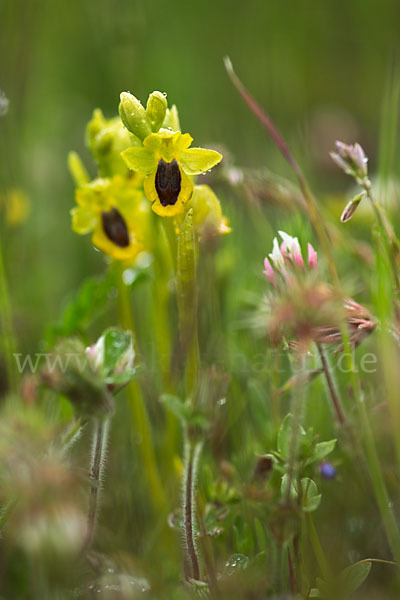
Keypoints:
(382, 497)
(187, 302)
(374, 467)
(336, 402)
(163, 258)
(170, 233)
(191, 461)
(385, 230)
(139, 413)
(297, 412)
(317, 548)
(99, 446)
(7, 336)
(275, 391)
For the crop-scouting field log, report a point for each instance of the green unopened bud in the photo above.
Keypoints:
(77, 169)
(133, 115)
(172, 119)
(113, 357)
(208, 219)
(156, 110)
(351, 208)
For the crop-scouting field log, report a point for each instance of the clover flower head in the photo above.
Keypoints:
(305, 309)
(286, 258)
(168, 163)
(352, 160)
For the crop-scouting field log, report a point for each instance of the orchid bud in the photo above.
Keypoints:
(172, 119)
(208, 219)
(133, 115)
(156, 110)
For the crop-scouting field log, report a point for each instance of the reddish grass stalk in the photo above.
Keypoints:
(312, 206)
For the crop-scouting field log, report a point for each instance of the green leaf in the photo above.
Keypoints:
(121, 379)
(88, 303)
(321, 450)
(285, 486)
(352, 577)
(285, 435)
(311, 499)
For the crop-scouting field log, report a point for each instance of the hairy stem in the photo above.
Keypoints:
(192, 454)
(99, 446)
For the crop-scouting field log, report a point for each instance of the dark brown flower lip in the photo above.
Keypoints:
(115, 228)
(168, 182)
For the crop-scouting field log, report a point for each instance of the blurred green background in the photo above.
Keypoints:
(319, 67)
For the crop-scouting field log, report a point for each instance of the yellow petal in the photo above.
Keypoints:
(141, 160)
(102, 242)
(83, 220)
(199, 160)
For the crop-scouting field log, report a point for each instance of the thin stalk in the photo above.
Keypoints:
(297, 411)
(170, 233)
(8, 336)
(374, 467)
(336, 402)
(5, 512)
(382, 497)
(186, 285)
(139, 413)
(192, 454)
(311, 203)
(275, 391)
(71, 436)
(292, 577)
(385, 230)
(99, 446)
(162, 268)
(317, 548)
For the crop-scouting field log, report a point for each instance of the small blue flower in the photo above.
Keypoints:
(327, 470)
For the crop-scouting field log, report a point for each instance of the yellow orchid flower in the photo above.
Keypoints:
(168, 163)
(208, 219)
(16, 206)
(114, 211)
